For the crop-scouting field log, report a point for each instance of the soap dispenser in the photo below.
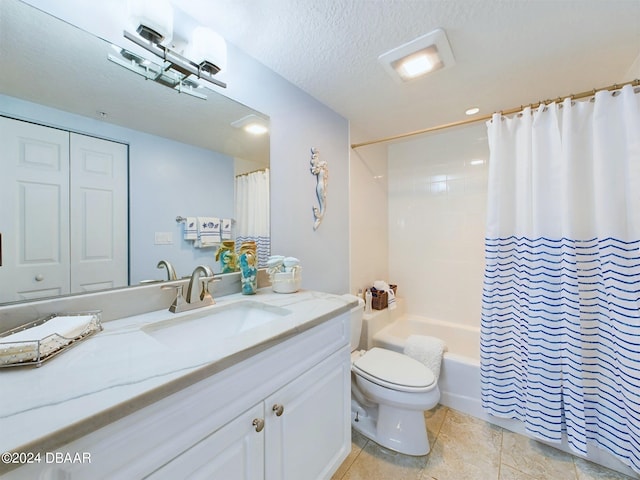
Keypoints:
(368, 298)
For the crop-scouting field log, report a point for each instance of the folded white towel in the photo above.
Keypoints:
(226, 229)
(23, 346)
(427, 350)
(208, 232)
(191, 228)
(391, 299)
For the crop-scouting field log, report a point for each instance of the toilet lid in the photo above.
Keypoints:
(393, 370)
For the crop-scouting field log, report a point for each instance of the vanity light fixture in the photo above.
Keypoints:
(204, 55)
(160, 73)
(252, 124)
(418, 57)
(208, 50)
(152, 19)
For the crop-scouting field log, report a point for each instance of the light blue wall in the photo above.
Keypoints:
(155, 197)
(299, 122)
(205, 188)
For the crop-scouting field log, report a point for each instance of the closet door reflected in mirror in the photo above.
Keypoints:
(61, 193)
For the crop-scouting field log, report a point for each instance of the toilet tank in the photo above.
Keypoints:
(356, 320)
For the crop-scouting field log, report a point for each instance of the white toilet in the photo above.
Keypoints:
(389, 394)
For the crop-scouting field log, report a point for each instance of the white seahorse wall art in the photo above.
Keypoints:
(320, 169)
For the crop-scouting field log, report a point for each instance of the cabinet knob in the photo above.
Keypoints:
(278, 409)
(39, 277)
(259, 424)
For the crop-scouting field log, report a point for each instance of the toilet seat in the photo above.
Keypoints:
(394, 370)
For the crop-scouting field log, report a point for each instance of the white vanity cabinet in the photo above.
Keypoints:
(280, 412)
(307, 434)
(297, 433)
(234, 452)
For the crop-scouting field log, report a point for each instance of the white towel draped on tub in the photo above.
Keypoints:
(427, 350)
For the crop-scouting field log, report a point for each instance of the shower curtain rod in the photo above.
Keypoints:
(576, 96)
(253, 171)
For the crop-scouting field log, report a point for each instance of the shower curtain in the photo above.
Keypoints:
(560, 327)
(252, 212)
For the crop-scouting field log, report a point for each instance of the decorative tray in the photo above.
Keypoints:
(37, 341)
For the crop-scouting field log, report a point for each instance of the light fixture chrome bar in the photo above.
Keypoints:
(146, 72)
(179, 62)
(150, 74)
(183, 88)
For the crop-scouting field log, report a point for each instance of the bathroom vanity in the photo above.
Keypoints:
(154, 396)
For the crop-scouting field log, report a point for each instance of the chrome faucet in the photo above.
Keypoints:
(196, 297)
(204, 295)
(171, 272)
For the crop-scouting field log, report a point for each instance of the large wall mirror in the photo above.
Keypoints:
(184, 154)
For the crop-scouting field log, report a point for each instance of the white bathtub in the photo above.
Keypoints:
(459, 380)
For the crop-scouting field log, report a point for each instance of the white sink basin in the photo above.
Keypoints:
(213, 324)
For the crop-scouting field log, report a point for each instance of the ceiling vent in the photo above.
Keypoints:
(425, 54)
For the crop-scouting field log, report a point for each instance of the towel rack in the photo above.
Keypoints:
(180, 219)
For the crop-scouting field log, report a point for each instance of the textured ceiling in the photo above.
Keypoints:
(508, 52)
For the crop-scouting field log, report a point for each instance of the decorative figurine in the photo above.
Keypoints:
(227, 257)
(320, 169)
(248, 268)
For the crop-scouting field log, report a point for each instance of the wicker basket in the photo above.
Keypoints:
(379, 298)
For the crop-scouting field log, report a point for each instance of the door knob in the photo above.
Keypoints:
(278, 409)
(258, 423)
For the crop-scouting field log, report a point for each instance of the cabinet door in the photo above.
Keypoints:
(234, 452)
(308, 431)
(99, 224)
(34, 211)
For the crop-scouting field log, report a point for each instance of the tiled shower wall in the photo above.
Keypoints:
(437, 191)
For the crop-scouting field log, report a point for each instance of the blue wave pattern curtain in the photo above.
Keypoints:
(252, 212)
(560, 329)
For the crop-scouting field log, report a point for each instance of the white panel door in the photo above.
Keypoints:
(34, 211)
(99, 227)
(234, 452)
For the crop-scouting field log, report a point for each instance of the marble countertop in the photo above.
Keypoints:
(123, 368)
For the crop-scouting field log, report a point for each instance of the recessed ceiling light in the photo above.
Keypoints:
(418, 64)
(477, 161)
(472, 111)
(255, 128)
(418, 57)
(252, 124)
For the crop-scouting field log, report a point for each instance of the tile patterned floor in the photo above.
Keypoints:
(465, 448)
